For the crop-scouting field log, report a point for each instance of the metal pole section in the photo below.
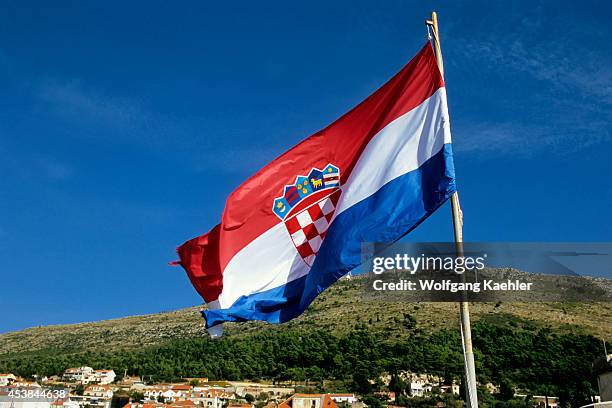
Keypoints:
(464, 312)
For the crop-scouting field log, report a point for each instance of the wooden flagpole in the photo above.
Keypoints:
(464, 312)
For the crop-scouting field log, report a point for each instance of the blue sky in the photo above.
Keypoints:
(124, 125)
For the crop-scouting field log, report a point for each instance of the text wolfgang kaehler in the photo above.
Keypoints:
(458, 265)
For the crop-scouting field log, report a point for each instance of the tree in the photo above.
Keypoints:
(506, 389)
(136, 396)
(397, 385)
(371, 401)
(361, 381)
(79, 389)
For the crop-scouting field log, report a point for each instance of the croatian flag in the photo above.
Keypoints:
(297, 225)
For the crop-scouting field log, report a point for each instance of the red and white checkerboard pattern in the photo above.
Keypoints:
(308, 227)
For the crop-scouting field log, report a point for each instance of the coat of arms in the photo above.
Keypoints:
(307, 208)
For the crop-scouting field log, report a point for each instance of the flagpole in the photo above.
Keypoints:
(464, 311)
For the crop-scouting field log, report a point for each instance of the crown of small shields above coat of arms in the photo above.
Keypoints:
(304, 186)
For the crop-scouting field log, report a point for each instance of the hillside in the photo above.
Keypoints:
(344, 341)
(337, 311)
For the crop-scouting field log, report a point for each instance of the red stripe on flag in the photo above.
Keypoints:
(200, 259)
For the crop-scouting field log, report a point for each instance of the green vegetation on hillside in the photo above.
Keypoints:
(337, 310)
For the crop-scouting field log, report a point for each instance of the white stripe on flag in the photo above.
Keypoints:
(400, 147)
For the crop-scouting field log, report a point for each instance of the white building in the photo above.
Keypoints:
(211, 397)
(343, 398)
(159, 394)
(181, 391)
(98, 391)
(132, 383)
(20, 382)
(6, 379)
(450, 389)
(419, 388)
(87, 375)
(79, 374)
(64, 403)
(95, 395)
(104, 376)
(242, 389)
(90, 402)
(421, 384)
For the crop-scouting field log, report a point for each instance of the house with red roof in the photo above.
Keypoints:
(309, 401)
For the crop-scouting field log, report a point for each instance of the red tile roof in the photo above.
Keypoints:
(327, 401)
(185, 403)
